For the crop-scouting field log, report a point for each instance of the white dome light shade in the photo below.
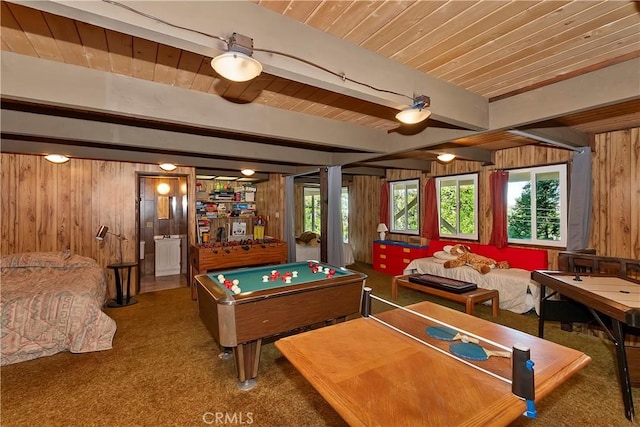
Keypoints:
(446, 157)
(236, 66)
(413, 115)
(168, 166)
(247, 172)
(57, 158)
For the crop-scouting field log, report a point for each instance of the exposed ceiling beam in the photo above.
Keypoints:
(130, 137)
(381, 172)
(11, 145)
(562, 137)
(472, 153)
(450, 104)
(410, 164)
(614, 84)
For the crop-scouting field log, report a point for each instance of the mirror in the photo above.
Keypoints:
(163, 207)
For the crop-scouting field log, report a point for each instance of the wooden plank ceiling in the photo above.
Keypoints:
(494, 49)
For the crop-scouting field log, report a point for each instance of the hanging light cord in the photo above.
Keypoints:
(341, 76)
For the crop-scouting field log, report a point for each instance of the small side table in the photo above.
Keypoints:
(118, 270)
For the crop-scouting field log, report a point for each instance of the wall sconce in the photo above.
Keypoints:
(56, 158)
(102, 233)
(382, 229)
(237, 64)
(417, 112)
(168, 166)
(446, 157)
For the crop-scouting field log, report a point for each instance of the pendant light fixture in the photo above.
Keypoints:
(237, 64)
(446, 157)
(56, 158)
(417, 112)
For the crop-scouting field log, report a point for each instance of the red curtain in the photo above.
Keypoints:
(430, 227)
(499, 181)
(384, 204)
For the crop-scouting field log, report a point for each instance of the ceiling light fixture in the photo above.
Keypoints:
(247, 172)
(168, 166)
(237, 64)
(417, 112)
(56, 158)
(446, 157)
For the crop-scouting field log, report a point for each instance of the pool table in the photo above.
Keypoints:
(267, 306)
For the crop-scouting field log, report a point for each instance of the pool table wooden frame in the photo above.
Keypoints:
(241, 322)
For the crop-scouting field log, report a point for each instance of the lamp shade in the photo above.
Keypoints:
(102, 231)
(57, 158)
(382, 229)
(446, 157)
(413, 115)
(236, 66)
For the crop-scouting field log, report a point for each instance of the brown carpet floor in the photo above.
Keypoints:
(163, 370)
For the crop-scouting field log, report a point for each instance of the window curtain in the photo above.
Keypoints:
(580, 201)
(335, 247)
(289, 218)
(499, 181)
(430, 227)
(384, 204)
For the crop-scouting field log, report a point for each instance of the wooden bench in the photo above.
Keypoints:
(469, 299)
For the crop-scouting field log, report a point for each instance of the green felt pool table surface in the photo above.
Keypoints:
(252, 279)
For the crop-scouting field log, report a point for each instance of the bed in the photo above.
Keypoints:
(518, 293)
(52, 302)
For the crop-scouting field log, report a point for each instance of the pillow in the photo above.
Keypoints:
(444, 256)
(80, 261)
(36, 259)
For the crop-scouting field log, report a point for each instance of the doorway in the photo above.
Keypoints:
(162, 223)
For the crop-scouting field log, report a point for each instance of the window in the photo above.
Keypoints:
(312, 209)
(537, 206)
(312, 219)
(405, 206)
(458, 206)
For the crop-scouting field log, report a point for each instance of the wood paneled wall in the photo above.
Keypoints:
(615, 230)
(48, 207)
(270, 204)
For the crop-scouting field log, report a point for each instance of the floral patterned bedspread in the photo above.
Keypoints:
(52, 302)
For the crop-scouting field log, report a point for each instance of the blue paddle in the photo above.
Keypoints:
(448, 334)
(469, 350)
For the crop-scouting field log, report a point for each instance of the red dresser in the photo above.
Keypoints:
(391, 257)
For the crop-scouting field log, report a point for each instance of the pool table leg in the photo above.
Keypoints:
(247, 357)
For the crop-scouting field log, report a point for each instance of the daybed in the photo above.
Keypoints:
(518, 293)
(52, 302)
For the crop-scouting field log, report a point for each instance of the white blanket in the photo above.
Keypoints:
(518, 293)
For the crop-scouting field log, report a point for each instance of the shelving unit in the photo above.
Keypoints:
(224, 211)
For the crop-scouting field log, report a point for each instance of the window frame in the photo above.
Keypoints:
(564, 205)
(458, 178)
(392, 223)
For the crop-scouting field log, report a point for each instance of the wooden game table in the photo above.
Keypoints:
(373, 375)
(613, 296)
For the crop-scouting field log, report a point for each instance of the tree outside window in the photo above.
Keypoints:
(537, 207)
(312, 211)
(405, 206)
(458, 206)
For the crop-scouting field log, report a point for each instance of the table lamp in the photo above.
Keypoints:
(103, 231)
(382, 229)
